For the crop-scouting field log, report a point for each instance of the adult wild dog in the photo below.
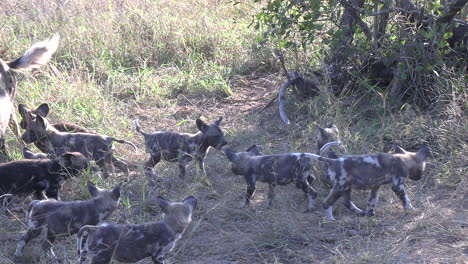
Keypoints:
(36, 56)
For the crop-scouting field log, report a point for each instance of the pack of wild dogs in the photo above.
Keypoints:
(69, 150)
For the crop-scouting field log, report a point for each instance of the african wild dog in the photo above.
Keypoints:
(182, 147)
(276, 169)
(326, 135)
(60, 218)
(131, 243)
(36, 56)
(23, 177)
(43, 110)
(93, 146)
(370, 172)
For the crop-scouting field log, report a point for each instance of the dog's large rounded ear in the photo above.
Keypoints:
(322, 131)
(254, 149)
(116, 191)
(41, 121)
(398, 149)
(422, 153)
(92, 189)
(230, 154)
(43, 110)
(201, 125)
(218, 122)
(191, 201)
(163, 203)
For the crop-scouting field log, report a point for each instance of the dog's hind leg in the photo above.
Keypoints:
(47, 245)
(334, 195)
(349, 204)
(31, 233)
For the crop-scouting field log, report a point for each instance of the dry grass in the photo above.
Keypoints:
(167, 63)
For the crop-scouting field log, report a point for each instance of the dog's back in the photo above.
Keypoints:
(280, 168)
(21, 177)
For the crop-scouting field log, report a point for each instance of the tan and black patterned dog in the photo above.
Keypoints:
(36, 56)
(370, 172)
(93, 146)
(279, 169)
(59, 218)
(131, 243)
(182, 147)
(23, 177)
(43, 110)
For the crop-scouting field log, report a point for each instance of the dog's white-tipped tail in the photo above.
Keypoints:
(138, 129)
(325, 147)
(37, 55)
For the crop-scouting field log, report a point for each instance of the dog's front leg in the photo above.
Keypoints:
(250, 189)
(271, 194)
(183, 162)
(201, 164)
(400, 191)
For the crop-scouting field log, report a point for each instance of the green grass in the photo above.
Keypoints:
(167, 63)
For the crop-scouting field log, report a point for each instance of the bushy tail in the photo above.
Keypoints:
(325, 147)
(138, 129)
(82, 241)
(125, 142)
(37, 55)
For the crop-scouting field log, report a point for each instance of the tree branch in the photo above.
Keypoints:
(354, 11)
(281, 100)
(451, 10)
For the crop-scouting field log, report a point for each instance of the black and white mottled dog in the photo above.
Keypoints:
(182, 147)
(278, 169)
(60, 218)
(370, 172)
(43, 177)
(131, 243)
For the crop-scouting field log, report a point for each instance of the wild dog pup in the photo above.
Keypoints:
(43, 110)
(370, 172)
(59, 218)
(36, 56)
(131, 243)
(326, 135)
(276, 169)
(182, 147)
(93, 146)
(23, 177)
